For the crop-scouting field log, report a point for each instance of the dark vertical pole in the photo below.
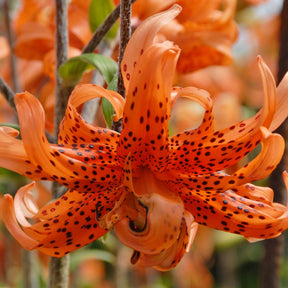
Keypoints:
(274, 247)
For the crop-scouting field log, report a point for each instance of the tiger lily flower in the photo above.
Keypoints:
(152, 189)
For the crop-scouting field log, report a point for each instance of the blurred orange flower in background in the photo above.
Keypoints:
(205, 30)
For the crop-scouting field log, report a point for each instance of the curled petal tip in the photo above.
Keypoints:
(10, 131)
(12, 225)
(19, 96)
(259, 58)
(265, 132)
(176, 8)
(253, 240)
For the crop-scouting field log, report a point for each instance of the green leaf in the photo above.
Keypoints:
(108, 111)
(15, 126)
(71, 71)
(98, 11)
(107, 107)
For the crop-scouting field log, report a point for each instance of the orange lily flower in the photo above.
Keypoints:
(205, 30)
(208, 31)
(152, 189)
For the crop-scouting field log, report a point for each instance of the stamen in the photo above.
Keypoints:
(135, 257)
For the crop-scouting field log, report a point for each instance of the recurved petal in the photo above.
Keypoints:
(168, 259)
(223, 148)
(75, 130)
(9, 218)
(147, 109)
(282, 104)
(25, 204)
(85, 167)
(62, 226)
(207, 126)
(258, 193)
(260, 167)
(13, 155)
(193, 93)
(142, 38)
(238, 214)
(85, 92)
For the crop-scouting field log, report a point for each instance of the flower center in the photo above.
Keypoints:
(151, 220)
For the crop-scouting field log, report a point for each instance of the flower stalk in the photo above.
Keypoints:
(125, 34)
(10, 37)
(59, 267)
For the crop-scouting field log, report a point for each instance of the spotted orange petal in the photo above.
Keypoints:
(66, 224)
(259, 168)
(142, 38)
(231, 143)
(86, 167)
(73, 123)
(147, 109)
(237, 214)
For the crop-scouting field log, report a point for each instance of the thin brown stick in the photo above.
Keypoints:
(59, 267)
(62, 92)
(10, 37)
(274, 247)
(102, 30)
(7, 92)
(125, 34)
